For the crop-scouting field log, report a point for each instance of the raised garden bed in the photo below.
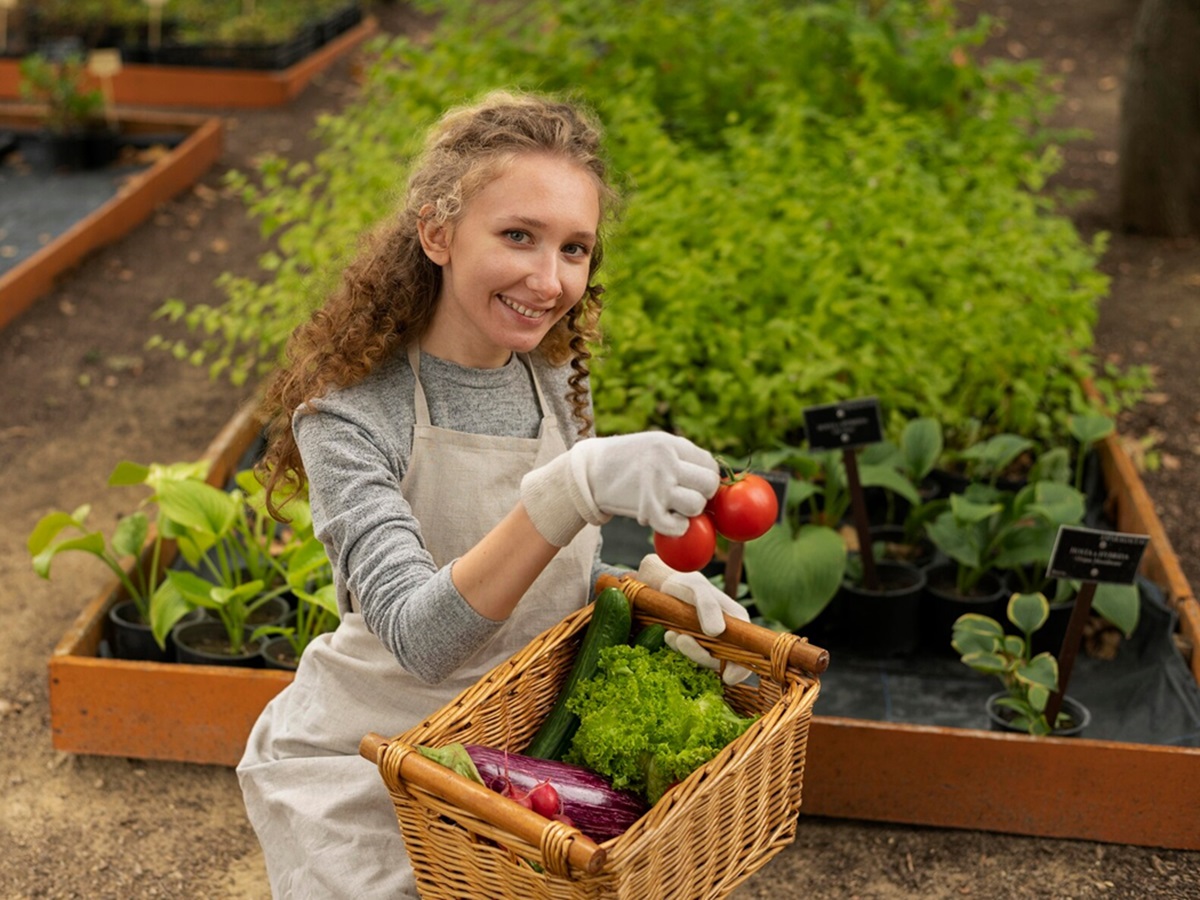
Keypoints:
(197, 143)
(202, 78)
(1115, 791)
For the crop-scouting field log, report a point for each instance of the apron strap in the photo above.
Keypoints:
(420, 405)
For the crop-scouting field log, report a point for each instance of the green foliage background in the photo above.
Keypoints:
(825, 199)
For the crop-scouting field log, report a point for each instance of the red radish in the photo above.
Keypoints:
(544, 800)
(512, 792)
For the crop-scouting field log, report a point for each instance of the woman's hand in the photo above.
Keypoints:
(712, 605)
(657, 478)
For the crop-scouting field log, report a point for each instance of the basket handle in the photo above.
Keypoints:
(748, 636)
(561, 845)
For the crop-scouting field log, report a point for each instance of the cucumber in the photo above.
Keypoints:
(612, 618)
(652, 637)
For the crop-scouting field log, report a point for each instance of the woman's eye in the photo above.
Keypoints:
(517, 235)
(577, 250)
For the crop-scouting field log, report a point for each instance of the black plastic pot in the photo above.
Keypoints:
(999, 718)
(943, 604)
(886, 621)
(207, 643)
(921, 554)
(47, 152)
(887, 508)
(277, 653)
(826, 630)
(949, 482)
(273, 612)
(131, 638)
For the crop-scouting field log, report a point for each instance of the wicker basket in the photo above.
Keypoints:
(703, 838)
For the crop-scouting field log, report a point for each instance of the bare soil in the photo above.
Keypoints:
(79, 394)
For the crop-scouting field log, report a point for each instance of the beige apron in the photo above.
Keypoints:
(321, 812)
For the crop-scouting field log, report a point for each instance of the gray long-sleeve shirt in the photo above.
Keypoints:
(356, 447)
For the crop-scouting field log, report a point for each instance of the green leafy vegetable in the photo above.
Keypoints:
(647, 720)
(456, 758)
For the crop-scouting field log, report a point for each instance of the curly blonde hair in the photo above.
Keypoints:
(388, 294)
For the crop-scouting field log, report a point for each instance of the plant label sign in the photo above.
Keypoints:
(105, 63)
(852, 423)
(1088, 554)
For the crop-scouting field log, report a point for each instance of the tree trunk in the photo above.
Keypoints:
(1160, 122)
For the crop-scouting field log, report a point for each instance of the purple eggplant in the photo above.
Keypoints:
(589, 802)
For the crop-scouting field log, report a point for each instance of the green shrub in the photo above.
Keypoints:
(826, 199)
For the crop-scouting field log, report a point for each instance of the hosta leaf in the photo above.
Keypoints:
(89, 543)
(997, 453)
(167, 606)
(128, 473)
(194, 589)
(1087, 428)
(325, 597)
(197, 506)
(1058, 504)
(51, 525)
(1119, 604)
(793, 578)
(969, 512)
(129, 537)
(887, 477)
(1054, 465)
(963, 545)
(921, 444)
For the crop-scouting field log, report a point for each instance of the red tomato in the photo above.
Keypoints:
(744, 507)
(690, 551)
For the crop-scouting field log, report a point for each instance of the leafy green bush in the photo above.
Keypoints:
(826, 199)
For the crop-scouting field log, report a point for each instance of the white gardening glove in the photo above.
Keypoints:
(657, 478)
(712, 605)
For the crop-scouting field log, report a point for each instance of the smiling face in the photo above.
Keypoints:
(514, 262)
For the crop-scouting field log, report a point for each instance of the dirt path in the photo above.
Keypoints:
(80, 394)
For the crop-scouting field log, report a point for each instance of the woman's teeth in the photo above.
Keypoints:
(523, 310)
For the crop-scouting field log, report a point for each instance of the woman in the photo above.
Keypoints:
(434, 406)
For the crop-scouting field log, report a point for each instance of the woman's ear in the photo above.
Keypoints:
(435, 237)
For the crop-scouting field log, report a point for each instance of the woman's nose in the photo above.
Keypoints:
(544, 279)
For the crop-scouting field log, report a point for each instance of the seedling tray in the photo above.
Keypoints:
(204, 84)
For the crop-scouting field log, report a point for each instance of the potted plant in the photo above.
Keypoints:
(316, 613)
(1029, 679)
(986, 532)
(75, 132)
(1118, 604)
(795, 569)
(135, 537)
(994, 460)
(902, 512)
(913, 456)
(238, 572)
